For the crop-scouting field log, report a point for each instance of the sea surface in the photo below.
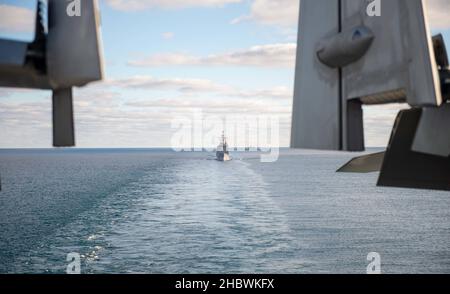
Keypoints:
(158, 211)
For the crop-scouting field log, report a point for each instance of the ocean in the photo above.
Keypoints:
(159, 211)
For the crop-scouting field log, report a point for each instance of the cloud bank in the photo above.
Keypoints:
(439, 14)
(282, 13)
(197, 87)
(271, 55)
(134, 5)
(15, 19)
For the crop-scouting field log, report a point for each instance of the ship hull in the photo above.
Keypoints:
(222, 156)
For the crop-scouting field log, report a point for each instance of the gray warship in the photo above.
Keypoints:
(222, 153)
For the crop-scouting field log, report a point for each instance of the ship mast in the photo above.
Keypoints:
(224, 142)
(223, 138)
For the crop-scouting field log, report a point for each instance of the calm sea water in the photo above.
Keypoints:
(157, 211)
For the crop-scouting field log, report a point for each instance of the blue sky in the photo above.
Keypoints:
(165, 58)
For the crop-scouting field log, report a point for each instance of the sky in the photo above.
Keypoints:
(164, 59)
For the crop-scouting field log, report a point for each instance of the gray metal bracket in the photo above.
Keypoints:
(402, 167)
(63, 122)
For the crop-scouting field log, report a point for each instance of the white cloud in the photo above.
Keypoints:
(134, 5)
(167, 35)
(177, 84)
(106, 118)
(280, 93)
(272, 55)
(378, 123)
(15, 19)
(282, 13)
(439, 14)
(4, 93)
(198, 86)
(222, 106)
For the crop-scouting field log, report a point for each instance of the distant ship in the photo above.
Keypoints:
(222, 153)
